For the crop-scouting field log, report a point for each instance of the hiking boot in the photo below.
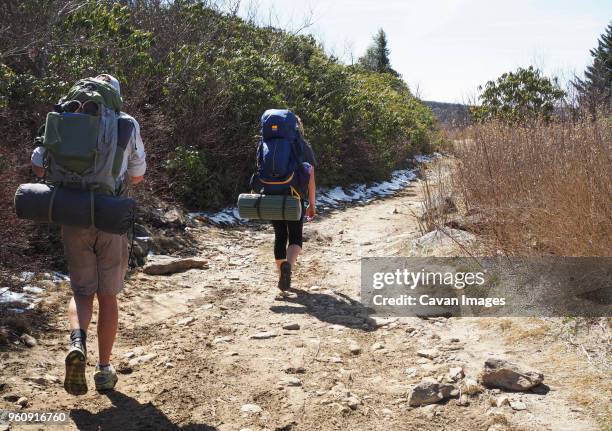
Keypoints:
(75, 382)
(105, 378)
(284, 281)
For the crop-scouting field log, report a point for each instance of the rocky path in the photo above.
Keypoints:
(217, 349)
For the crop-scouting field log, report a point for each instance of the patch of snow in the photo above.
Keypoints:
(21, 300)
(30, 294)
(26, 276)
(34, 290)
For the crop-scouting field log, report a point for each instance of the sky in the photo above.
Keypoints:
(445, 49)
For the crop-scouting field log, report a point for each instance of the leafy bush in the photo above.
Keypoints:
(195, 183)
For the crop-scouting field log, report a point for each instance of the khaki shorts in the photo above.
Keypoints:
(97, 261)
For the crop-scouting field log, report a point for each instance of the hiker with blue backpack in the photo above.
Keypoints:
(285, 173)
(90, 148)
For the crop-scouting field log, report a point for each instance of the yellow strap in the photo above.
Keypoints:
(295, 193)
(279, 182)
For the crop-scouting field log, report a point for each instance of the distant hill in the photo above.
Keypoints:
(450, 114)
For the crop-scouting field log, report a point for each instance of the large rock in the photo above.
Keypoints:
(429, 391)
(163, 265)
(502, 374)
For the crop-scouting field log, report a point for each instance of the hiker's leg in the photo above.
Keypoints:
(83, 270)
(80, 309)
(112, 255)
(108, 320)
(293, 251)
(280, 242)
(295, 240)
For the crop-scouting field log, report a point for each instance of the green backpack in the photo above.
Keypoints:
(86, 140)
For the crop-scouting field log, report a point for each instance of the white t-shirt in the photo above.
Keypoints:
(133, 159)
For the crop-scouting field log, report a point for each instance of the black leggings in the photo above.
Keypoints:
(286, 230)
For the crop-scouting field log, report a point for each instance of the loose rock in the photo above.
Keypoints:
(142, 359)
(28, 340)
(164, 265)
(455, 373)
(263, 335)
(225, 339)
(186, 321)
(11, 398)
(353, 402)
(23, 402)
(250, 408)
(378, 346)
(502, 401)
(518, 405)
(428, 353)
(354, 348)
(502, 374)
(290, 381)
(429, 391)
(463, 401)
(294, 326)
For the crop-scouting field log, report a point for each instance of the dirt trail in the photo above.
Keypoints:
(210, 373)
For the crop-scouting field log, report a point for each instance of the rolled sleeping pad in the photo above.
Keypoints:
(269, 207)
(72, 207)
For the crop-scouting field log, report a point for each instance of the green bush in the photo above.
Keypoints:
(194, 181)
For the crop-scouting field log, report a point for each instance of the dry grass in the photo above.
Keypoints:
(438, 200)
(539, 189)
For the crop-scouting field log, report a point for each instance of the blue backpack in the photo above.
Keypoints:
(280, 153)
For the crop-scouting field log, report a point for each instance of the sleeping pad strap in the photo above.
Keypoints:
(51, 204)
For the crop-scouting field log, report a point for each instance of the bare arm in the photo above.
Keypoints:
(311, 212)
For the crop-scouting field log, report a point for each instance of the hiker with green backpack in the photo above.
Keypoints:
(90, 145)
(285, 167)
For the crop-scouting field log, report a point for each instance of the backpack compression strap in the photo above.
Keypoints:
(51, 204)
(257, 206)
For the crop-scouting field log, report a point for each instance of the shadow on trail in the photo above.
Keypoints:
(128, 414)
(337, 309)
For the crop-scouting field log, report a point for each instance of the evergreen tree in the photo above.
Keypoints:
(376, 57)
(596, 88)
